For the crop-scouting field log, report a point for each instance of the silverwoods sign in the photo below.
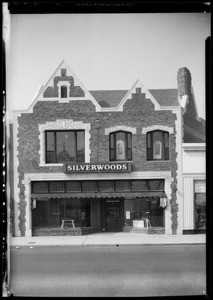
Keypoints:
(98, 168)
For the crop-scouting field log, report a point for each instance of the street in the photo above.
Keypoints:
(133, 271)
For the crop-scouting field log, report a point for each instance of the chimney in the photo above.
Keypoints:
(184, 82)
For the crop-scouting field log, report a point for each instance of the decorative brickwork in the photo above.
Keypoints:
(121, 127)
(53, 91)
(157, 127)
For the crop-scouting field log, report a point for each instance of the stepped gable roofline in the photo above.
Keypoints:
(63, 64)
(109, 98)
(112, 98)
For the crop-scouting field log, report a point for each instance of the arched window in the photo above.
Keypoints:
(157, 145)
(120, 144)
(63, 91)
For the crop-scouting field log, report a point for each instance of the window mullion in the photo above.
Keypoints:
(76, 156)
(126, 145)
(46, 146)
(163, 146)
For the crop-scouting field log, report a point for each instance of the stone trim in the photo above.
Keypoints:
(120, 127)
(96, 176)
(66, 124)
(179, 172)
(67, 84)
(158, 127)
(16, 176)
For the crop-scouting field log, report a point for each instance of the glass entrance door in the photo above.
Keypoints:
(114, 215)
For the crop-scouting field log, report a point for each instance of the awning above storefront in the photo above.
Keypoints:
(124, 195)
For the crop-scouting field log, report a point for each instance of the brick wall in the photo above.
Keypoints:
(11, 180)
(74, 91)
(136, 113)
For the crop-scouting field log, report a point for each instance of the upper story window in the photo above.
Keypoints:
(63, 91)
(65, 146)
(120, 144)
(157, 145)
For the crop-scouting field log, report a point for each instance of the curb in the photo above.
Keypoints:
(108, 245)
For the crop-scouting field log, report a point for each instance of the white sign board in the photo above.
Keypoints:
(200, 186)
(127, 215)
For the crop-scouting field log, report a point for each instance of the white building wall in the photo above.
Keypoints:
(194, 168)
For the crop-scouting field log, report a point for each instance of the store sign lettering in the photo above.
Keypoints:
(111, 167)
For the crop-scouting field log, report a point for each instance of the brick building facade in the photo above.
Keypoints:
(85, 161)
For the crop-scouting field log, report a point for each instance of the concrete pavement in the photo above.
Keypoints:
(107, 239)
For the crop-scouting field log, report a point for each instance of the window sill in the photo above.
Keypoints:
(51, 165)
(158, 160)
(120, 161)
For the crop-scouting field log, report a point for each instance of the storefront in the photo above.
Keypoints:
(98, 205)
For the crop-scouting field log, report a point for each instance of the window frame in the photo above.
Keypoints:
(112, 146)
(150, 146)
(114, 185)
(64, 89)
(55, 144)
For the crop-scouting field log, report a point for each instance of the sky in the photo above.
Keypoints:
(106, 51)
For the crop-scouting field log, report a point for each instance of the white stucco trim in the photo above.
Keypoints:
(16, 176)
(166, 175)
(120, 127)
(158, 127)
(194, 146)
(99, 176)
(67, 84)
(63, 124)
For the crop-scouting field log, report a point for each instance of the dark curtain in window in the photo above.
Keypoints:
(63, 91)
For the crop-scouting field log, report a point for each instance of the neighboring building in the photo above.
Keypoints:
(85, 161)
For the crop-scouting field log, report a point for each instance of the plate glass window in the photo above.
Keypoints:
(65, 146)
(200, 204)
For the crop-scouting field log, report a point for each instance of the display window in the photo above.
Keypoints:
(200, 204)
(150, 209)
(52, 212)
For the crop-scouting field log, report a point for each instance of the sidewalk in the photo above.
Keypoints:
(107, 239)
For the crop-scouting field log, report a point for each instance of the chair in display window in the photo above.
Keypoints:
(67, 221)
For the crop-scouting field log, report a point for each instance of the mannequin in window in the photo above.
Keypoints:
(63, 156)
